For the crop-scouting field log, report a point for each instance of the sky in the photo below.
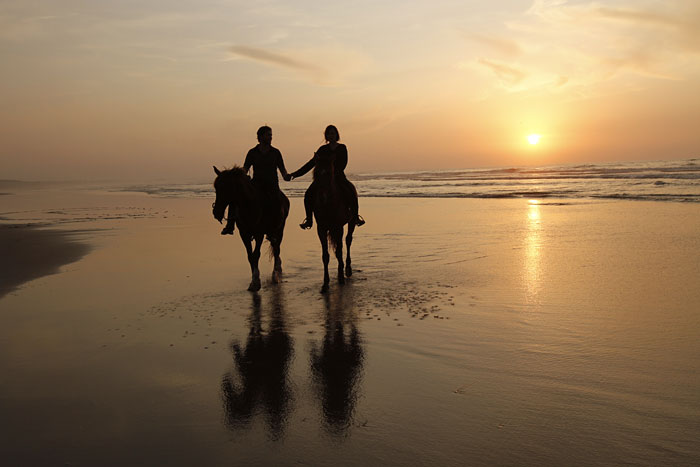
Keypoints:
(164, 89)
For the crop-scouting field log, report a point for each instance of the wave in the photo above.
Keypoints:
(675, 181)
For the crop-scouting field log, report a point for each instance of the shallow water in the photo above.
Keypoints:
(473, 332)
(670, 181)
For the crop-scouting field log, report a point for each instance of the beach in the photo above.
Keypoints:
(473, 332)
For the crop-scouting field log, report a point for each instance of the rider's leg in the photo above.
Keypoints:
(308, 206)
(230, 223)
(354, 204)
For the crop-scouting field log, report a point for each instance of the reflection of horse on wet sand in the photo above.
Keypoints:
(260, 381)
(257, 214)
(336, 366)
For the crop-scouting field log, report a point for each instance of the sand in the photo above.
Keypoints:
(473, 332)
(29, 253)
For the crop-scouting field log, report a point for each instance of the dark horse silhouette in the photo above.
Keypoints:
(337, 364)
(332, 211)
(259, 384)
(258, 214)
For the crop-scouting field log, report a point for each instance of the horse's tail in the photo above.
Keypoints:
(270, 249)
(332, 241)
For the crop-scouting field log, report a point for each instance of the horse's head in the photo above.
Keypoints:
(224, 193)
(226, 184)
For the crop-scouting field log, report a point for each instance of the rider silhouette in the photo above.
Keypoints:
(333, 154)
(265, 160)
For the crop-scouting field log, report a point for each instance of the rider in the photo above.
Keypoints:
(332, 153)
(265, 160)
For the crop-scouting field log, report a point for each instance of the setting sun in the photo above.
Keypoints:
(533, 138)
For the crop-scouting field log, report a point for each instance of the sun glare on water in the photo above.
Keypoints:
(533, 138)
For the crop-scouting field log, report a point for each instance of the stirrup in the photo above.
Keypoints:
(307, 224)
(359, 221)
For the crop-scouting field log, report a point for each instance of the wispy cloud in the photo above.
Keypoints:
(280, 60)
(505, 73)
(634, 15)
(685, 25)
(272, 58)
(638, 62)
(592, 43)
(498, 44)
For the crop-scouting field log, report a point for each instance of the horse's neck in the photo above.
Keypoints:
(246, 200)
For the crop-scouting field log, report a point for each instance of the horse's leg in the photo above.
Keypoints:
(254, 259)
(323, 237)
(277, 244)
(247, 243)
(338, 240)
(348, 242)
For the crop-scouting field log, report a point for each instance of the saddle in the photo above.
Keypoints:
(272, 200)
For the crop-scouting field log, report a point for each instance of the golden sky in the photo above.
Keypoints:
(127, 89)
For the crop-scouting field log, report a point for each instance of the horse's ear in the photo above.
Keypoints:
(218, 172)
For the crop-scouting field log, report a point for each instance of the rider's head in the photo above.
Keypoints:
(265, 134)
(331, 134)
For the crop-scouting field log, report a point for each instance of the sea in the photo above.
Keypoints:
(673, 181)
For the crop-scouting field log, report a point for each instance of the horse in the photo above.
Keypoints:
(257, 217)
(332, 211)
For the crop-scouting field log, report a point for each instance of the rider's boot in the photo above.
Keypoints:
(309, 221)
(229, 228)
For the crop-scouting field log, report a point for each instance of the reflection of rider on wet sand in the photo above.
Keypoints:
(265, 161)
(263, 367)
(337, 366)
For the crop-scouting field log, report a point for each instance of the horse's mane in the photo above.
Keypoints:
(325, 171)
(234, 172)
(238, 176)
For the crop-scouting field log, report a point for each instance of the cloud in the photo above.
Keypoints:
(501, 45)
(272, 58)
(592, 42)
(685, 24)
(638, 62)
(638, 15)
(318, 74)
(505, 73)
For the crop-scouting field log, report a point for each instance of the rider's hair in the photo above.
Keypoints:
(329, 128)
(262, 130)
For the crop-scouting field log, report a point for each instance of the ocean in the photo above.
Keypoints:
(675, 181)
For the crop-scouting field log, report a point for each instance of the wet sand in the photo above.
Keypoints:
(29, 253)
(473, 332)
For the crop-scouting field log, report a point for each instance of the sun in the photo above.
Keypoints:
(533, 138)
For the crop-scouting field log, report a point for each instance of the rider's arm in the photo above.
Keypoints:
(341, 159)
(305, 168)
(248, 161)
(281, 167)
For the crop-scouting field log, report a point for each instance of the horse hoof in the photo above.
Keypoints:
(254, 286)
(324, 288)
(341, 280)
(276, 277)
(348, 271)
